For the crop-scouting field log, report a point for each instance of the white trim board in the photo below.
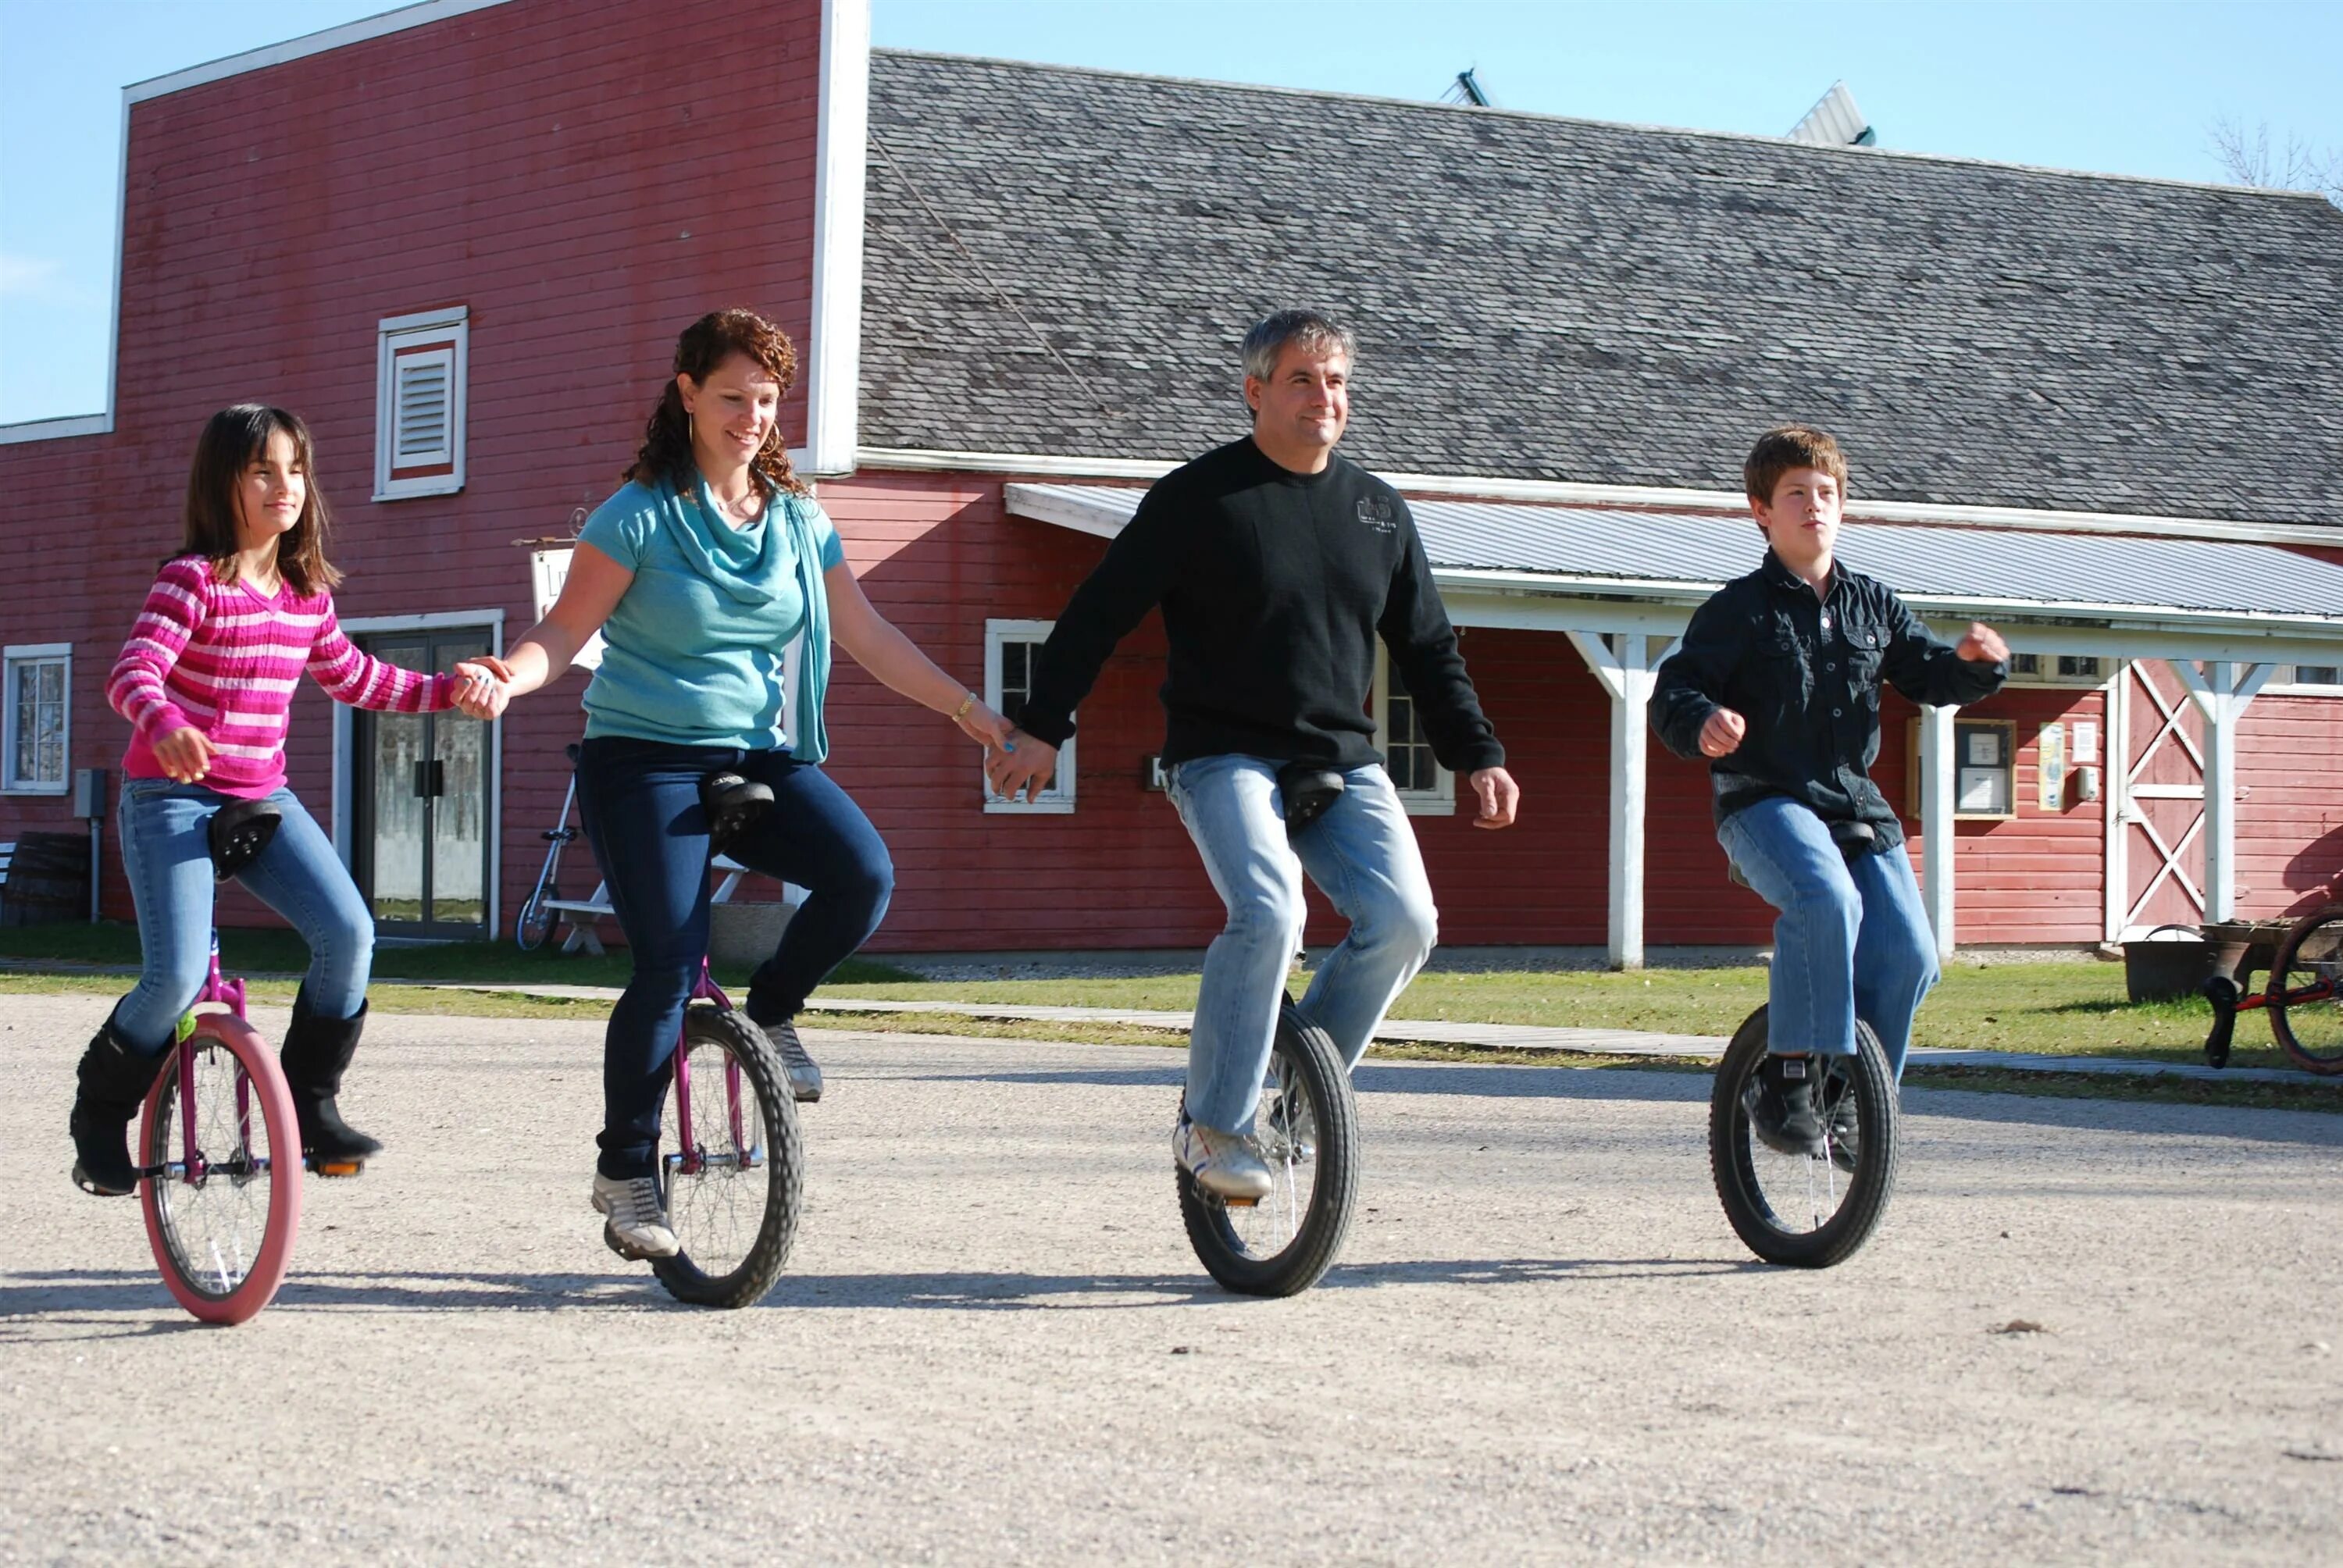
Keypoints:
(260, 59)
(834, 355)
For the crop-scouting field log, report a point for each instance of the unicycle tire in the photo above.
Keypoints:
(1284, 1244)
(1803, 1211)
(736, 1212)
(222, 1241)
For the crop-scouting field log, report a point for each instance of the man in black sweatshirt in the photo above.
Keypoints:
(1277, 565)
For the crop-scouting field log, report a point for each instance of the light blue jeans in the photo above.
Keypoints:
(1851, 941)
(166, 851)
(1362, 855)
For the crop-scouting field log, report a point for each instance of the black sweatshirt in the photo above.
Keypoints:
(1274, 586)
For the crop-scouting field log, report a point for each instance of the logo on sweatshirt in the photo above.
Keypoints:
(1377, 515)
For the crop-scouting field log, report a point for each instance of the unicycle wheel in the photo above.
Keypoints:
(1804, 1210)
(732, 1162)
(1307, 1132)
(222, 1225)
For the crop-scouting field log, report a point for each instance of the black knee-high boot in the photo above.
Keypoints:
(113, 1078)
(317, 1051)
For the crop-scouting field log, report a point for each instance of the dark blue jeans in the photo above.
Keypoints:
(640, 801)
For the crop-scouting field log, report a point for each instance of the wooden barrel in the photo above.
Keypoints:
(48, 880)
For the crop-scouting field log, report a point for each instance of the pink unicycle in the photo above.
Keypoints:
(219, 1158)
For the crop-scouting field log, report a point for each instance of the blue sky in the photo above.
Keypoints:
(2128, 88)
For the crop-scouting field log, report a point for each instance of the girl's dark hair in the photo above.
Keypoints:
(233, 440)
(706, 344)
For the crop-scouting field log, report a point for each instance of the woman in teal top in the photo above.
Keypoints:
(717, 585)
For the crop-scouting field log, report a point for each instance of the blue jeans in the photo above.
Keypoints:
(167, 853)
(640, 801)
(1362, 855)
(1851, 941)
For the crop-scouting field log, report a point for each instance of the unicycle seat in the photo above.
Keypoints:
(734, 805)
(1307, 789)
(238, 832)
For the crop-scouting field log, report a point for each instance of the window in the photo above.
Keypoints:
(1425, 787)
(34, 724)
(419, 433)
(2308, 679)
(1009, 650)
(2056, 669)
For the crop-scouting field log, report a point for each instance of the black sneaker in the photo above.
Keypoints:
(1780, 1100)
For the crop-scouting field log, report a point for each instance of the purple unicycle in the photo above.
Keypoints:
(730, 1155)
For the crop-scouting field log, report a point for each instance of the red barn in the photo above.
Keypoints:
(2104, 414)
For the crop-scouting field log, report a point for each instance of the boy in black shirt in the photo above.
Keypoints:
(1778, 684)
(1277, 565)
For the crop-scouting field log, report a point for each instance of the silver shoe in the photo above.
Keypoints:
(635, 1226)
(1223, 1163)
(805, 1077)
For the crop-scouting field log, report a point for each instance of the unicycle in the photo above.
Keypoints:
(1808, 1212)
(731, 1158)
(1307, 1132)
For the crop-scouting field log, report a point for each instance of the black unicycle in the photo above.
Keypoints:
(1307, 1132)
(1808, 1212)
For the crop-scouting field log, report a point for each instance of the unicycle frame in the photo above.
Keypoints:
(216, 992)
(692, 1160)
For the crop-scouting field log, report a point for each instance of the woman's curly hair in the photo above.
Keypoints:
(706, 344)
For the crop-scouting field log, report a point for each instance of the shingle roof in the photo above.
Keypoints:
(1670, 549)
(1562, 299)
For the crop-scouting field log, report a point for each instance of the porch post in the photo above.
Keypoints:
(1624, 674)
(1936, 820)
(2222, 693)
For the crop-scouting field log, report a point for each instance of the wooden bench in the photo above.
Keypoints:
(581, 915)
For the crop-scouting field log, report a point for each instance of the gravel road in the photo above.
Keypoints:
(1542, 1343)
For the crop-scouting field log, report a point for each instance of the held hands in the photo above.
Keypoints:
(1024, 762)
(1983, 645)
(986, 726)
(185, 754)
(1500, 797)
(483, 687)
(1721, 735)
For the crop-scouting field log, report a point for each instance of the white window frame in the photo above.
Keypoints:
(2275, 687)
(429, 332)
(11, 658)
(1439, 800)
(1058, 800)
(2049, 678)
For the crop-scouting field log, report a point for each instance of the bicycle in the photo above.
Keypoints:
(1307, 1133)
(221, 1189)
(2304, 997)
(1807, 1212)
(537, 913)
(735, 1178)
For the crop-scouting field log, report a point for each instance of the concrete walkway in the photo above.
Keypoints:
(1514, 1037)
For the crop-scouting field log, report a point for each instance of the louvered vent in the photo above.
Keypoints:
(419, 404)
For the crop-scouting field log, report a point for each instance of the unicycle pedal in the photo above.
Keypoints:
(334, 1168)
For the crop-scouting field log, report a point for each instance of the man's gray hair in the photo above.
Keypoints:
(1312, 331)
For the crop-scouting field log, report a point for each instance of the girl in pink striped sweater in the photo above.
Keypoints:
(206, 680)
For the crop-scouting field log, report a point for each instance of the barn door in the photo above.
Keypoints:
(2157, 858)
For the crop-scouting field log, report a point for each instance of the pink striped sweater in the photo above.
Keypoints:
(222, 658)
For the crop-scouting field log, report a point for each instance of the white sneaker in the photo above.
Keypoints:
(637, 1226)
(1223, 1163)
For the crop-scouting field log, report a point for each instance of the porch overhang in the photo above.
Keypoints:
(1621, 583)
